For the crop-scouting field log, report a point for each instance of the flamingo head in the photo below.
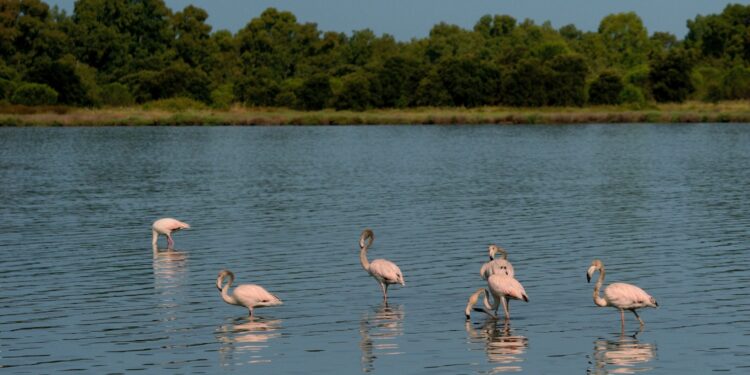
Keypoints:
(494, 249)
(366, 238)
(222, 275)
(596, 264)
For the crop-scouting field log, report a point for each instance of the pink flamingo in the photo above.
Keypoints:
(249, 295)
(619, 295)
(166, 227)
(384, 271)
(503, 289)
(500, 265)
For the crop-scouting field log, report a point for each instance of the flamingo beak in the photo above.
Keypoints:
(588, 277)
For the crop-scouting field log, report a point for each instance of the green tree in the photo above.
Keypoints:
(34, 94)
(625, 39)
(670, 77)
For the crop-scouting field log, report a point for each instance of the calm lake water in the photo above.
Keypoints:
(666, 207)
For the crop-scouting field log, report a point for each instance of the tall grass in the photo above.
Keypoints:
(181, 112)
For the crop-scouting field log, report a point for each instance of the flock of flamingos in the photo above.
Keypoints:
(498, 272)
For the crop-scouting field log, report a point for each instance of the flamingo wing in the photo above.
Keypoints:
(386, 271)
(502, 285)
(255, 295)
(628, 296)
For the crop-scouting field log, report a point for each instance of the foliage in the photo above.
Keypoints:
(119, 52)
(177, 104)
(606, 89)
(34, 94)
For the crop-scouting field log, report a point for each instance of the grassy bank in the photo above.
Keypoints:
(139, 116)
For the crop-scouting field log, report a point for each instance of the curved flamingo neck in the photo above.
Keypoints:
(154, 237)
(599, 301)
(225, 292)
(363, 259)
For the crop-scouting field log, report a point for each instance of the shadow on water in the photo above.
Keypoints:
(243, 341)
(378, 330)
(502, 346)
(626, 355)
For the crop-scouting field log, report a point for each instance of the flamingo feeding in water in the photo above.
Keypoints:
(500, 265)
(166, 227)
(621, 296)
(503, 289)
(249, 295)
(473, 301)
(384, 271)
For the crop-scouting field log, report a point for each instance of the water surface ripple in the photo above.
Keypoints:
(664, 206)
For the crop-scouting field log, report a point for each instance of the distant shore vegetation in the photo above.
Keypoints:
(127, 53)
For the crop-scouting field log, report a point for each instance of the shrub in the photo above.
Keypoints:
(606, 89)
(34, 94)
(632, 95)
(223, 96)
(116, 94)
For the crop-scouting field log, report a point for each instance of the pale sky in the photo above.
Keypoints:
(405, 19)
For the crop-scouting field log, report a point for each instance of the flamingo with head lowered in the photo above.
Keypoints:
(621, 296)
(166, 227)
(384, 271)
(249, 295)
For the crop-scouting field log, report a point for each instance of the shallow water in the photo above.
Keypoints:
(666, 207)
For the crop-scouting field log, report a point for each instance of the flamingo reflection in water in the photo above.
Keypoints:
(624, 356)
(243, 341)
(170, 274)
(504, 348)
(378, 333)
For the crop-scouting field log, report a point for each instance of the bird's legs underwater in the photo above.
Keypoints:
(622, 319)
(506, 307)
(384, 288)
(639, 318)
(251, 313)
(170, 242)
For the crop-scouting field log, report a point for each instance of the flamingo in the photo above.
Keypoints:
(503, 289)
(621, 296)
(248, 295)
(384, 271)
(473, 301)
(500, 265)
(166, 227)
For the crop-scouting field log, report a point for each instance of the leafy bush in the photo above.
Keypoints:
(222, 96)
(633, 96)
(34, 94)
(175, 104)
(606, 89)
(116, 94)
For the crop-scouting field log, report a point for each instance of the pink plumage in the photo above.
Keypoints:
(384, 271)
(621, 296)
(251, 296)
(165, 227)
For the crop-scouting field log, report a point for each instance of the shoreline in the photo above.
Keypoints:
(689, 112)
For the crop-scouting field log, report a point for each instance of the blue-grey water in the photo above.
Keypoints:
(666, 207)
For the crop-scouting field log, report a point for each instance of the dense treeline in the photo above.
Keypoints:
(122, 52)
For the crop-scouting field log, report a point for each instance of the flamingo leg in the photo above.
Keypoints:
(170, 242)
(505, 307)
(639, 318)
(622, 319)
(251, 312)
(384, 288)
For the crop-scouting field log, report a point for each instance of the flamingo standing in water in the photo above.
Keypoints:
(384, 271)
(500, 265)
(503, 289)
(249, 295)
(166, 227)
(621, 296)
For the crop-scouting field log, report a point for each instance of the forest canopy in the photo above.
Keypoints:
(124, 52)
